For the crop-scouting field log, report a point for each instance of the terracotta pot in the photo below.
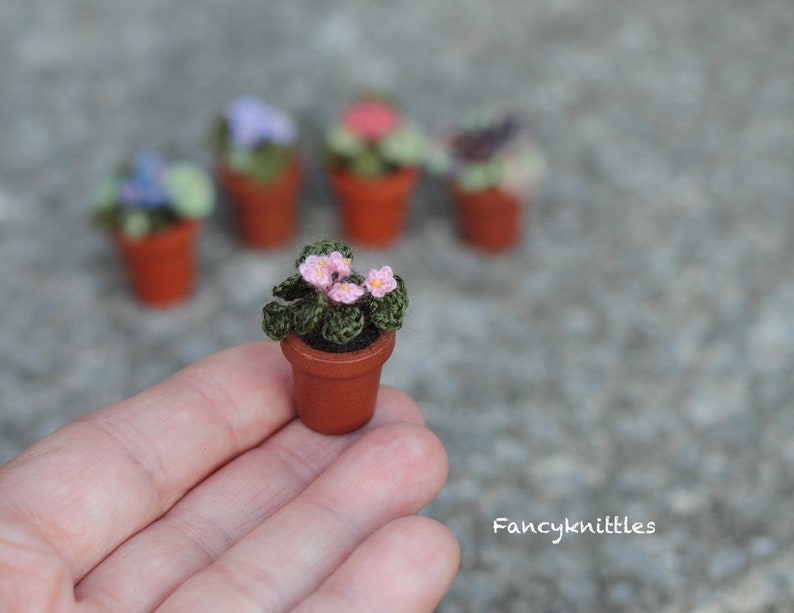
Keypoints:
(336, 392)
(265, 213)
(490, 220)
(161, 267)
(373, 211)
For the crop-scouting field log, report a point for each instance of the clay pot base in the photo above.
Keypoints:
(373, 212)
(161, 266)
(265, 213)
(490, 220)
(335, 393)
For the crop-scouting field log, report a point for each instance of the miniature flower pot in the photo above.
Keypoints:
(335, 393)
(374, 211)
(265, 213)
(490, 220)
(161, 266)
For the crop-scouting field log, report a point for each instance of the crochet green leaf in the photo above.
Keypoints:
(332, 307)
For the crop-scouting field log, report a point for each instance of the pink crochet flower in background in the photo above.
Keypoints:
(371, 119)
(380, 282)
(346, 292)
(317, 271)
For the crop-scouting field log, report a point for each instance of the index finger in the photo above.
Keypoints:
(93, 483)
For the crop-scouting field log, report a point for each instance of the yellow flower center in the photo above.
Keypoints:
(376, 283)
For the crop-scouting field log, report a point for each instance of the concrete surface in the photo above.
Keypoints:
(633, 358)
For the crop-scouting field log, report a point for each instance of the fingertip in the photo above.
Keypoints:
(396, 405)
(430, 551)
(407, 565)
(414, 457)
(445, 550)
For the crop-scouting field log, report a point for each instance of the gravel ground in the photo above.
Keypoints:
(632, 358)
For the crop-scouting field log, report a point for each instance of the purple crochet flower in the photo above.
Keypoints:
(251, 121)
(144, 187)
(280, 128)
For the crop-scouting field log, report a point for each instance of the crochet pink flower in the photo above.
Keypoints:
(317, 271)
(380, 282)
(339, 263)
(370, 119)
(346, 292)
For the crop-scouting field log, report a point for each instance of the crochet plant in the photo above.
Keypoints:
(330, 306)
(372, 139)
(254, 139)
(487, 152)
(148, 195)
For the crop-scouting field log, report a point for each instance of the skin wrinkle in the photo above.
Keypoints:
(245, 577)
(30, 559)
(281, 454)
(104, 602)
(419, 549)
(349, 595)
(59, 454)
(191, 530)
(198, 380)
(62, 463)
(299, 533)
(176, 531)
(300, 464)
(119, 431)
(384, 503)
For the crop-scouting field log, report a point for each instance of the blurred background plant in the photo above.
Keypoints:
(373, 139)
(254, 139)
(488, 150)
(148, 195)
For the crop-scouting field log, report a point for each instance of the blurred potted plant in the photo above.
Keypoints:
(260, 169)
(491, 173)
(153, 211)
(337, 328)
(373, 156)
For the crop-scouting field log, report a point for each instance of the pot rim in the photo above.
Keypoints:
(184, 229)
(338, 365)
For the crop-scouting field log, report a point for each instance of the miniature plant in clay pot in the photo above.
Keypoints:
(491, 173)
(373, 156)
(260, 169)
(337, 328)
(153, 211)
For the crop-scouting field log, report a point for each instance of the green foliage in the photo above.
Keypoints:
(137, 204)
(263, 157)
(477, 176)
(379, 151)
(404, 148)
(276, 320)
(191, 192)
(323, 247)
(343, 324)
(387, 313)
(488, 150)
(292, 288)
(311, 312)
(265, 163)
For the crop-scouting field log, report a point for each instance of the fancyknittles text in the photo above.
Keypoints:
(611, 524)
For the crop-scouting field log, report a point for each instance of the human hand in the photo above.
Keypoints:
(203, 493)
